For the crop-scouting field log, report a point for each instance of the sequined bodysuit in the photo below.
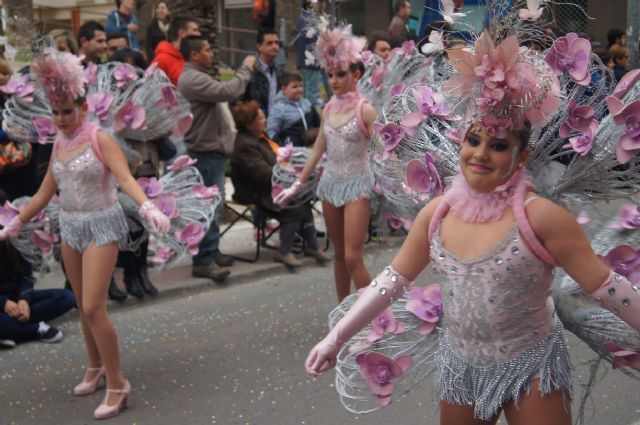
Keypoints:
(89, 210)
(500, 326)
(347, 175)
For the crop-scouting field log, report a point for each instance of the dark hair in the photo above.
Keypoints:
(124, 54)
(524, 134)
(262, 31)
(375, 37)
(288, 78)
(245, 113)
(88, 29)
(400, 4)
(190, 44)
(357, 66)
(613, 35)
(117, 34)
(179, 23)
(3, 197)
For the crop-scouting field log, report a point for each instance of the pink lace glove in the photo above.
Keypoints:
(159, 222)
(283, 198)
(621, 297)
(382, 291)
(12, 229)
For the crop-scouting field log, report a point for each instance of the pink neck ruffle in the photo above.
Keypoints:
(344, 102)
(481, 207)
(80, 136)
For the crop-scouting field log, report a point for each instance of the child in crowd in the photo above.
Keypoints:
(292, 117)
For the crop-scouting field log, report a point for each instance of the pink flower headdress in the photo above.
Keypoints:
(338, 47)
(60, 75)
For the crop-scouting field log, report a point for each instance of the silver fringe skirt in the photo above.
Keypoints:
(79, 229)
(489, 388)
(340, 192)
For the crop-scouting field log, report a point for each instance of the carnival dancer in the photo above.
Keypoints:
(346, 185)
(84, 164)
(493, 244)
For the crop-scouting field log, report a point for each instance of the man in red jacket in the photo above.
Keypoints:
(168, 57)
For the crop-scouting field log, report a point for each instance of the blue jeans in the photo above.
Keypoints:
(211, 165)
(311, 83)
(45, 305)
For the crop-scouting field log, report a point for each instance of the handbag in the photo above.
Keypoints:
(14, 155)
(166, 149)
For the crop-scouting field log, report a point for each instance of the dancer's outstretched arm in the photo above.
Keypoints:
(412, 258)
(115, 160)
(563, 237)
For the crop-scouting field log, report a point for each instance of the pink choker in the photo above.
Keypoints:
(80, 136)
(344, 102)
(480, 207)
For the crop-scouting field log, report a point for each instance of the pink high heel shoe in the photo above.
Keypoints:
(105, 411)
(89, 387)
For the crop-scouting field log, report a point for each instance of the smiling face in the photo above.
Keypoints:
(162, 11)
(487, 162)
(293, 90)
(342, 81)
(68, 116)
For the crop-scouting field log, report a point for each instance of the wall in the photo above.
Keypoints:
(609, 14)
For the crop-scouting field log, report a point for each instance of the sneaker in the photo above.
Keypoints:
(48, 333)
(7, 343)
(288, 260)
(211, 271)
(319, 255)
(222, 260)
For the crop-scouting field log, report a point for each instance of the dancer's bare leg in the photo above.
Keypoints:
(97, 266)
(334, 220)
(453, 414)
(73, 266)
(536, 409)
(356, 224)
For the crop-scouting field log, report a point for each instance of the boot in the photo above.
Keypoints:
(130, 272)
(115, 293)
(148, 287)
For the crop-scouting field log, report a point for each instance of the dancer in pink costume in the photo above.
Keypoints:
(86, 165)
(493, 244)
(346, 184)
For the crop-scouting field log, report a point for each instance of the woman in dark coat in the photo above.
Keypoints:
(252, 162)
(157, 29)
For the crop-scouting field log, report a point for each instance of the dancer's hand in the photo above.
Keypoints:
(283, 198)
(321, 358)
(12, 229)
(159, 222)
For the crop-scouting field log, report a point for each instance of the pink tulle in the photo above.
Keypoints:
(61, 75)
(343, 103)
(478, 207)
(338, 48)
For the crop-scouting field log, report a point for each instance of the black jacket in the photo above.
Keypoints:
(16, 282)
(258, 88)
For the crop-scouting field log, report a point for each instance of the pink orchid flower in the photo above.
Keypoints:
(205, 192)
(629, 115)
(183, 124)
(169, 98)
(580, 118)
(583, 142)
(90, 72)
(150, 70)
(285, 152)
(429, 104)
(191, 236)
(167, 203)
(496, 127)
(407, 48)
(182, 161)
(455, 136)
(99, 104)
(624, 260)
(163, 254)
(571, 54)
(398, 89)
(426, 304)
(129, 115)
(151, 186)
(490, 98)
(124, 74)
(44, 128)
(422, 176)
(367, 57)
(522, 82)
(626, 82)
(385, 322)
(7, 212)
(43, 240)
(378, 370)
(621, 356)
(390, 134)
(398, 223)
(377, 75)
(628, 217)
(19, 86)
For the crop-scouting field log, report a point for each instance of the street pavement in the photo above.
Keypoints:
(233, 356)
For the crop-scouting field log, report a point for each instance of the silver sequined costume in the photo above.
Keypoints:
(89, 209)
(346, 176)
(500, 327)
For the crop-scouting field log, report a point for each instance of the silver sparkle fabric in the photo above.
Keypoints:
(89, 211)
(346, 176)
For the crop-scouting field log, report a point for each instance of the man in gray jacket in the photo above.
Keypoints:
(209, 139)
